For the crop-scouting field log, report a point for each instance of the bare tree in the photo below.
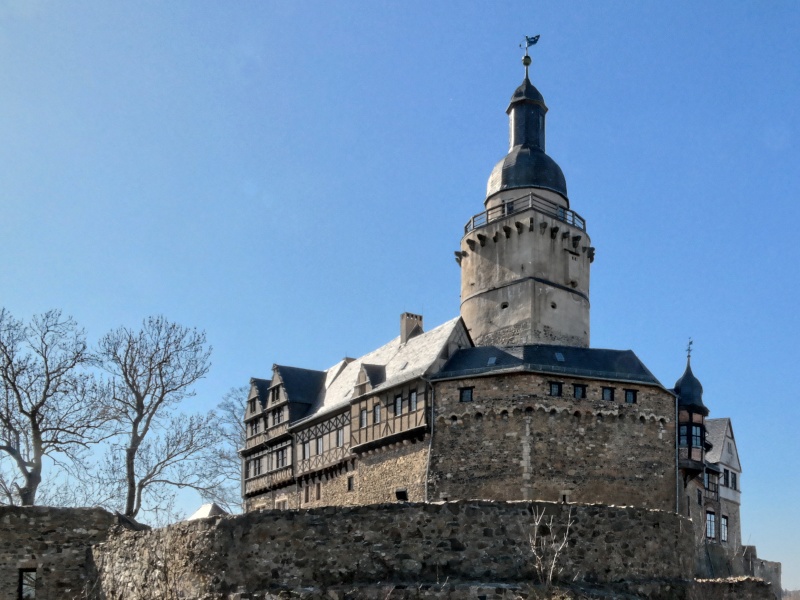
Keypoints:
(230, 421)
(47, 405)
(547, 545)
(150, 371)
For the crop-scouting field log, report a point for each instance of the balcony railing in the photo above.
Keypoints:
(521, 204)
(267, 480)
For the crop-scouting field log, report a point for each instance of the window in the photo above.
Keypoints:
(734, 483)
(282, 505)
(320, 446)
(275, 394)
(412, 401)
(306, 450)
(340, 437)
(252, 405)
(555, 388)
(711, 525)
(281, 458)
(277, 417)
(697, 436)
(608, 394)
(465, 395)
(579, 391)
(308, 494)
(630, 396)
(398, 406)
(247, 469)
(726, 477)
(27, 584)
(254, 426)
(700, 497)
(376, 414)
(683, 436)
(319, 491)
(351, 484)
(363, 418)
(730, 448)
(723, 529)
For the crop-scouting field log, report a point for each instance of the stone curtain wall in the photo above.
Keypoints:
(54, 541)
(411, 544)
(515, 442)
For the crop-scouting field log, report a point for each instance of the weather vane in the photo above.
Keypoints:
(689, 349)
(526, 60)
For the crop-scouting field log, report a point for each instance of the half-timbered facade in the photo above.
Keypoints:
(350, 434)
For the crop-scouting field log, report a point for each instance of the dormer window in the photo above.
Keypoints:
(275, 394)
(252, 405)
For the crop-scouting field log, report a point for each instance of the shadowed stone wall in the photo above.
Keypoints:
(53, 541)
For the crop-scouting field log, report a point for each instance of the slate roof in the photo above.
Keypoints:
(262, 389)
(715, 433)
(301, 385)
(390, 365)
(620, 365)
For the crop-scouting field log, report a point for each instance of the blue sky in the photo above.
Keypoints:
(290, 177)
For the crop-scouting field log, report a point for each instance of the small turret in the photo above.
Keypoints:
(691, 420)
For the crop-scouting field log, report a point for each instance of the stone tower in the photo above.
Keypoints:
(525, 259)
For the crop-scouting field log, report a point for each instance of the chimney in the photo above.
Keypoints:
(410, 325)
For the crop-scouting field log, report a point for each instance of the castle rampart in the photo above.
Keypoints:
(455, 550)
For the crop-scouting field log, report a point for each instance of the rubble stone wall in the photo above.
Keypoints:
(514, 441)
(405, 544)
(55, 542)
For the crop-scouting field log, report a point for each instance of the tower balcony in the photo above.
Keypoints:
(524, 203)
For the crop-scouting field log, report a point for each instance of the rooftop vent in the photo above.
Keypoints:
(559, 357)
(492, 360)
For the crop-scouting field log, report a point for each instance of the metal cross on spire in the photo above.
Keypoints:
(689, 349)
(526, 60)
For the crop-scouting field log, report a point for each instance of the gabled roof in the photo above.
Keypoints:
(620, 365)
(717, 431)
(390, 365)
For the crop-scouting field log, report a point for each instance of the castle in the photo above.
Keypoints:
(423, 468)
(508, 401)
